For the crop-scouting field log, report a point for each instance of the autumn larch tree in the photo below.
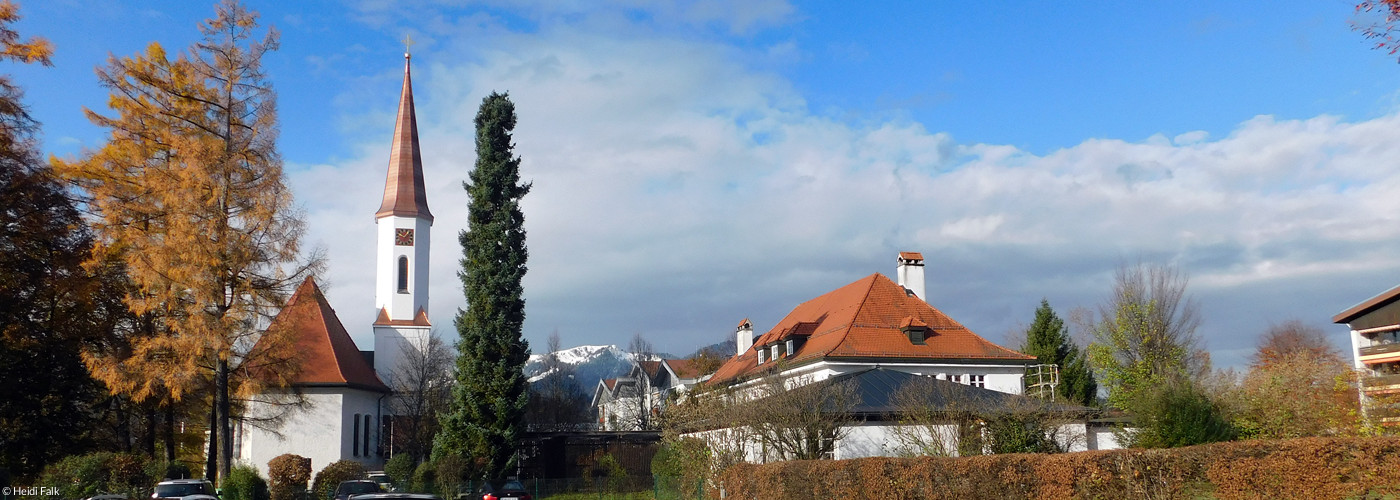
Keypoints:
(188, 192)
(1048, 340)
(489, 400)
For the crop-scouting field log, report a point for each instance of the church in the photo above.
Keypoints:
(342, 413)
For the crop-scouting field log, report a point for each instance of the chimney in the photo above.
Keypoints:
(910, 273)
(743, 337)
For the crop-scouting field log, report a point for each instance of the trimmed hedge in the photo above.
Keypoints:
(1296, 468)
(287, 476)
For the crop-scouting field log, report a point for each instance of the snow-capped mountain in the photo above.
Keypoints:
(590, 363)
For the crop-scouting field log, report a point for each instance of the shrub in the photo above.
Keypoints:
(1178, 413)
(425, 477)
(333, 474)
(160, 471)
(686, 459)
(1297, 468)
(400, 469)
(288, 475)
(450, 472)
(83, 476)
(244, 483)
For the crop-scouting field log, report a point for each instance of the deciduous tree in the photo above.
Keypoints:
(422, 391)
(489, 400)
(188, 192)
(1292, 338)
(1145, 333)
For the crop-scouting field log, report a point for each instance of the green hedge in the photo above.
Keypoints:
(1297, 468)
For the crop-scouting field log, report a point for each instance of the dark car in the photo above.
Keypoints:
(395, 496)
(356, 487)
(503, 489)
(189, 489)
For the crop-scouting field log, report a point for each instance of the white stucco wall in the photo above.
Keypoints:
(1102, 438)
(321, 431)
(401, 306)
(393, 344)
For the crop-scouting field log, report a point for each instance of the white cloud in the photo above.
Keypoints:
(677, 190)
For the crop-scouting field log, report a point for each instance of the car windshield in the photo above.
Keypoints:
(513, 486)
(181, 490)
(359, 487)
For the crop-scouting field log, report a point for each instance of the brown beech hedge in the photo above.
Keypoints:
(1311, 468)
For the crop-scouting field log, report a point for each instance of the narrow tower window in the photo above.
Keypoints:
(403, 274)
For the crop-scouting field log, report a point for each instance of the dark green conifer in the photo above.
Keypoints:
(1048, 340)
(486, 421)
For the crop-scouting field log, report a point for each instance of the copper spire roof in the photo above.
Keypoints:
(329, 355)
(404, 194)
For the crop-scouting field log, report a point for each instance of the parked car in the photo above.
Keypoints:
(356, 487)
(385, 483)
(185, 489)
(395, 496)
(503, 489)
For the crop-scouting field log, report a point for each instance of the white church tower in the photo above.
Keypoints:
(404, 227)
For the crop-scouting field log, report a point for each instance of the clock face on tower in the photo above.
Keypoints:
(403, 237)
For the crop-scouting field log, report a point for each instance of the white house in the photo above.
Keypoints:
(1375, 351)
(344, 389)
(876, 336)
(627, 403)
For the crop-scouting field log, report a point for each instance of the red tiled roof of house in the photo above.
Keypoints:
(683, 368)
(911, 256)
(861, 321)
(328, 354)
(610, 383)
(650, 368)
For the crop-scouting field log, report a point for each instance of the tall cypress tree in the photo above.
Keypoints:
(1048, 340)
(486, 419)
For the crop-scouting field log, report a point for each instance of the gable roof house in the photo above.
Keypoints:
(874, 335)
(336, 383)
(631, 402)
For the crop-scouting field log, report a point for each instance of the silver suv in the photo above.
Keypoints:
(185, 489)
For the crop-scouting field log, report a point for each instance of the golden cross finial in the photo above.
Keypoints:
(407, 45)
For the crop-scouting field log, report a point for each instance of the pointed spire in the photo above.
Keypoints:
(404, 194)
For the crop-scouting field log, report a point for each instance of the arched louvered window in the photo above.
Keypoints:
(403, 274)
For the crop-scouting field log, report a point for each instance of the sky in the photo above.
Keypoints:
(697, 163)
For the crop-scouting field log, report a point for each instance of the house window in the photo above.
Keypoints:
(760, 355)
(366, 431)
(775, 352)
(403, 274)
(979, 380)
(355, 436)
(789, 347)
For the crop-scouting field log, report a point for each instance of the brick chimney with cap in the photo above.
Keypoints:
(910, 273)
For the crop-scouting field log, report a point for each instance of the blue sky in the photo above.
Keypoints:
(698, 163)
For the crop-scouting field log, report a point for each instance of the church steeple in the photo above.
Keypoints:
(404, 195)
(404, 236)
(404, 222)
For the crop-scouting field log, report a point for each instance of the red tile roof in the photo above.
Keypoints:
(610, 383)
(329, 356)
(911, 256)
(861, 321)
(420, 319)
(404, 194)
(683, 368)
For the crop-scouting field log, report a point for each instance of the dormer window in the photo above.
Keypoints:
(775, 352)
(915, 329)
(760, 355)
(789, 347)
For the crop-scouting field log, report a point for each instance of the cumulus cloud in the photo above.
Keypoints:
(678, 190)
